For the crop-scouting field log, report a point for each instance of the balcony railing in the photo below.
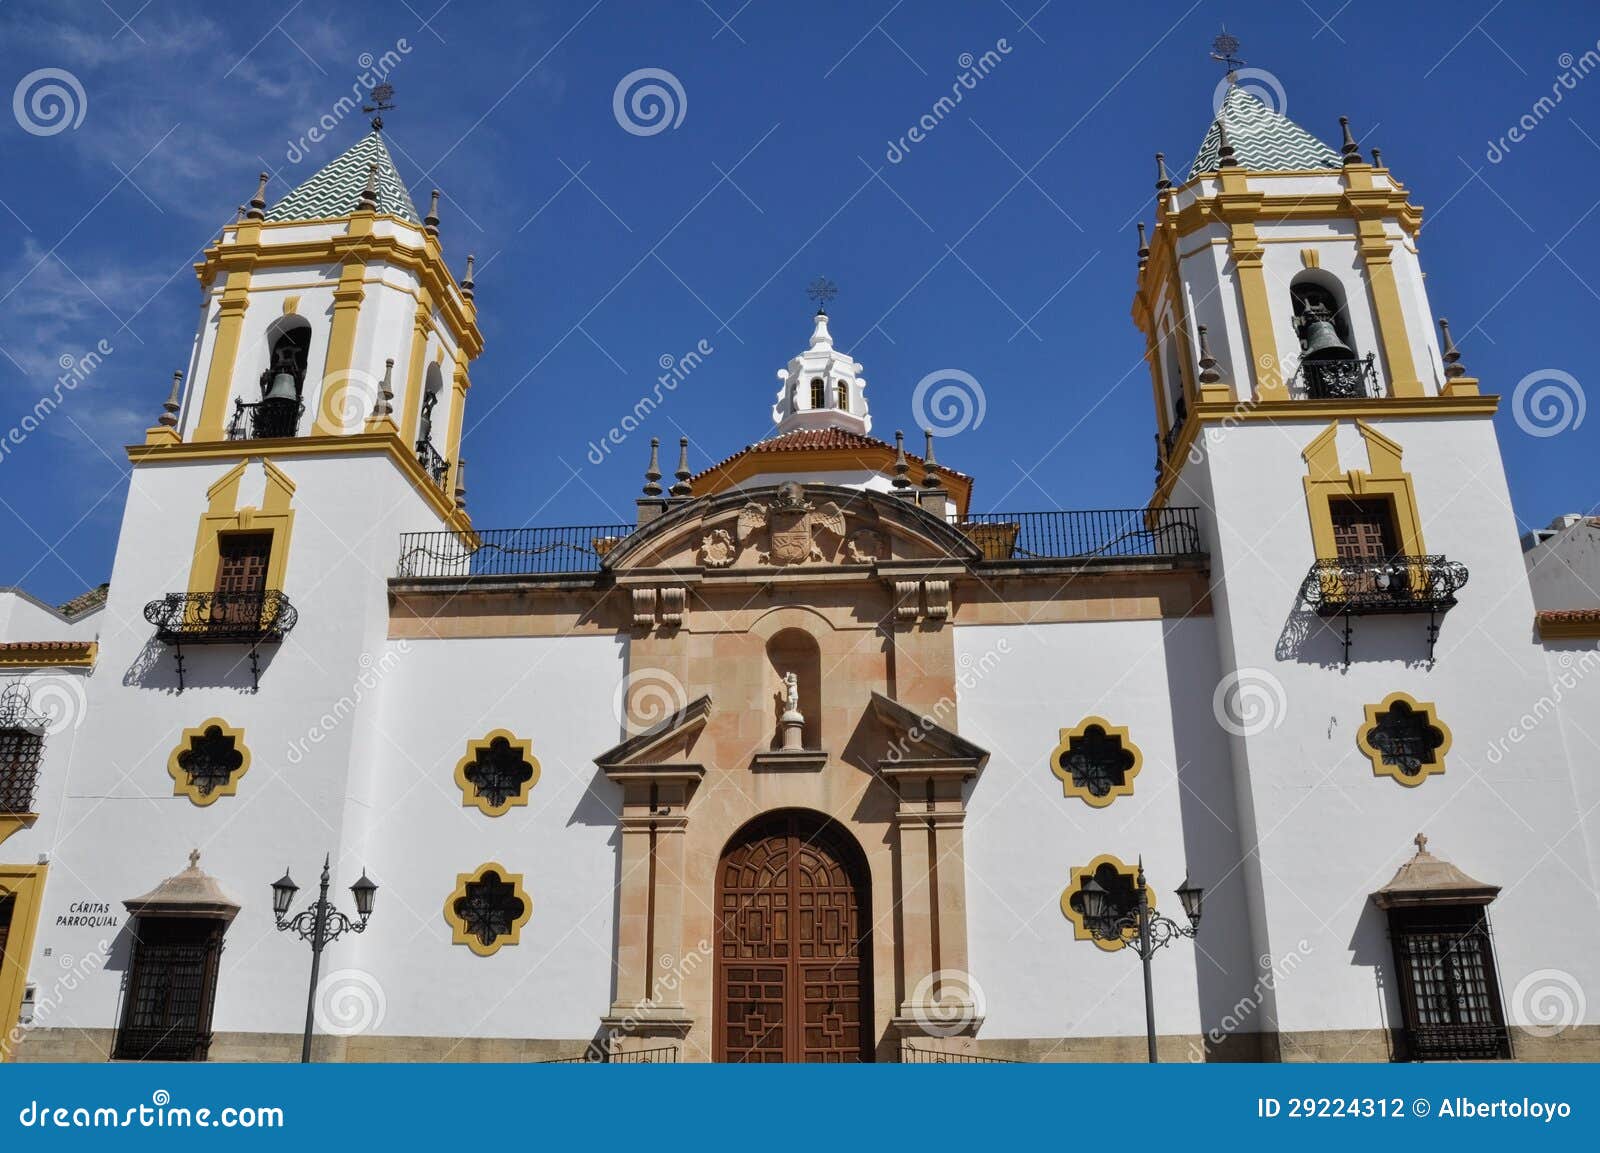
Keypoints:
(221, 618)
(510, 551)
(264, 420)
(1401, 584)
(433, 464)
(1116, 532)
(1343, 379)
(1456, 1043)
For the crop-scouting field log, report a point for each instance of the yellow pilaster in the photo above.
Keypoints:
(25, 883)
(341, 348)
(421, 323)
(1256, 304)
(457, 412)
(224, 354)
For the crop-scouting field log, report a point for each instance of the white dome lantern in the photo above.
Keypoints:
(822, 388)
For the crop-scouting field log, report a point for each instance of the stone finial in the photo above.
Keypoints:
(466, 281)
(369, 194)
(1453, 368)
(258, 202)
(169, 408)
(930, 466)
(430, 222)
(1163, 180)
(681, 488)
(1350, 150)
(902, 467)
(1208, 363)
(652, 474)
(1421, 842)
(1225, 156)
(461, 484)
(1377, 158)
(194, 858)
(1144, 247)
(383, 405)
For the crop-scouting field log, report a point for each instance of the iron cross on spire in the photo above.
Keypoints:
(822, 290)
(382, 101)
(1225, 51)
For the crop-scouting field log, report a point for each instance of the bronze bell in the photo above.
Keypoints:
(1323, 343)
(282, 388)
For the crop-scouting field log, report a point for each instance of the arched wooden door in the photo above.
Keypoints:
(793, 962)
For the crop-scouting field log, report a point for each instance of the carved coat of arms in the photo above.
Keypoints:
(790, 522)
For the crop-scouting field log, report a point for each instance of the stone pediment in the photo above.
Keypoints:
(793, 526)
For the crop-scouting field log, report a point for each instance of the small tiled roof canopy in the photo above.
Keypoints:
(336, 190)
(1426, 880)
(84, 601)
(191, 893)
(1263, 140)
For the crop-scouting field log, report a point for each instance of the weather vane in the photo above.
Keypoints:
(1225, 50)
(382, 101)
(822, 290)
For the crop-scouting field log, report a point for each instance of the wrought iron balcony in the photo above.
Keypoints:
(433, 464)
(1485, 1042)
(1085, 533)
(264, 420)
(1401, 584)
(221, 618)
(1341, 379)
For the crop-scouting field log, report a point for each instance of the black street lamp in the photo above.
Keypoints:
(321, 924)
(1111, 924)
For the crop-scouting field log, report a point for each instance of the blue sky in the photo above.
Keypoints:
(1002, 244)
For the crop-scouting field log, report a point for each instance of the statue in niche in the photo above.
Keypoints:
(792, 722)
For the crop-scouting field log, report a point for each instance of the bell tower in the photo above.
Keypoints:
(331, 322)
(822, 388)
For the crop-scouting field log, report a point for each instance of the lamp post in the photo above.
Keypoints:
(1154, 931)
(321, 924)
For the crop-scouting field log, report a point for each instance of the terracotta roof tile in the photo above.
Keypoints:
(817, 439)
(85, 601)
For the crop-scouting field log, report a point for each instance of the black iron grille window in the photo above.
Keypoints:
(490, 907)
(499, 773)
(20, 754)
(1097, 762)
(1448, 991)
(210, 760)
(172, 984)
(1122, 899)
(1405, 738)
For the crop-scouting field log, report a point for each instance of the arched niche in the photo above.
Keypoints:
(795, 650)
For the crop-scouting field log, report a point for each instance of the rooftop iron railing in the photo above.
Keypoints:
(1003, 536)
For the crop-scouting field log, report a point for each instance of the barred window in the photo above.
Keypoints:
(208, 761)
(497, 772)
(1120, 883)
(1404, 739)
(21, 750)
(1449, 993)
(172, 985)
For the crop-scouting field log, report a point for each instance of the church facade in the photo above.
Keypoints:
(812, 761)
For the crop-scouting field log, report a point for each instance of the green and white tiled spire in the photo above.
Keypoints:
(336, 189)
(1263, 140)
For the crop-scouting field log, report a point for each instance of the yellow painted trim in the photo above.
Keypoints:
(421, 322)
(1310, 258)
(458, 925)
(469, 794)
(1069, 788)
(759, 460)
(355, 444)
(1324, 483)
(347, 298)
(1257, 307)
(1373, 248)
(291, 305)
(1375, 755)
(246, 250)
(26, 884)
(13, 823)
(49, 654)
(458, 412)
(1080, 931)
(1278, 208)
(183, 786)
(224, 355)
(223, 515)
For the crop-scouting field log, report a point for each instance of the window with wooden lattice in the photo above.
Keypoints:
(1096, 762)
(487, 909)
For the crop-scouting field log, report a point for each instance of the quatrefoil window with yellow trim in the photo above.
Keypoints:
(487, 909)
(499, 771)
(1096, 762)
(1119, 881)
(1404, 739)
(208, 762)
